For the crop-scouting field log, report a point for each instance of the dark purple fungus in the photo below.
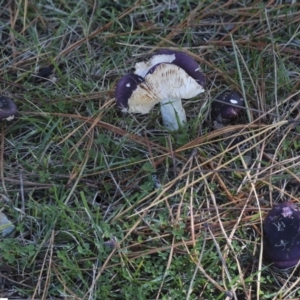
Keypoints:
(44, 73)
(127, 90)
(227, 106)
(282, 236)
(8, 108)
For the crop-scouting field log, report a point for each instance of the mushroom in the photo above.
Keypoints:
(8, 109)
(128, 91)
(6, 227)
(165, 80)
(44, 73)
(227, 106)
(282, 236)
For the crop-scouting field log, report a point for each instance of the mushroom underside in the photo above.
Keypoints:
(166, 84)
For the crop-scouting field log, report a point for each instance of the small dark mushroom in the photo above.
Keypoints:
(282, 236)
(8, 108)
(43, 74)
(227, 106)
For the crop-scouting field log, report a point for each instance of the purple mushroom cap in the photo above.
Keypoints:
(44, 73)
(187, 63)
(282, 236)
(8, 108)
(227, 106)
(125, 87)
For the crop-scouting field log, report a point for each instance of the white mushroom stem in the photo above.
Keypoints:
(172, 113)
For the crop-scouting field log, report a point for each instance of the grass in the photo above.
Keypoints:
(112, 206)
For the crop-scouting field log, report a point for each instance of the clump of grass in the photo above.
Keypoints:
(108, 206)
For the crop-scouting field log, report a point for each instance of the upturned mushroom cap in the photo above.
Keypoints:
(282, 236)
(169, 76)
(163, 81)
(180, 59)
(227, 106)
(8, 108)
(44, 73)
